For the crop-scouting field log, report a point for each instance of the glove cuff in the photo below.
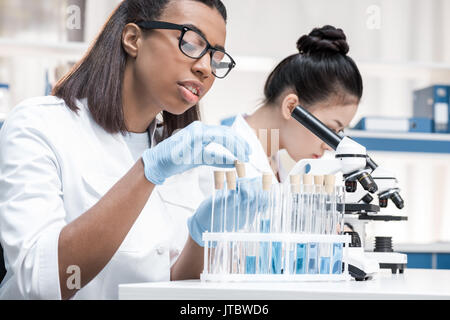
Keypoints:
(150, 170)
(195, 231)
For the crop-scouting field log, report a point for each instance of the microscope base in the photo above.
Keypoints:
(390, 260)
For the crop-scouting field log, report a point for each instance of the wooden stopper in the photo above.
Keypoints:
(267, 181)
(330, 181)
(295, 183)
(295, 179)
(219, 178)
(307, 179)
(231, 180)
(318, 180)
(240, 168)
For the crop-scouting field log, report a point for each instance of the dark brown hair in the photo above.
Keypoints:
(320, 70)
(99, 75)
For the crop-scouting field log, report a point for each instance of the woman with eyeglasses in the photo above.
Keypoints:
(94, 191)
(322, 78)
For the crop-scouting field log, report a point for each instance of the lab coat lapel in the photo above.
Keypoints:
(110, 160)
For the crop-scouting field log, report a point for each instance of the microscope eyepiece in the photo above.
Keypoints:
(314, 125)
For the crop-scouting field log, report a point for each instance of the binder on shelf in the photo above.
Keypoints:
(386, 124)
(433, 103)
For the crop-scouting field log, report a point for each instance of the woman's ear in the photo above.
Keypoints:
(131, 36)
(288, 105)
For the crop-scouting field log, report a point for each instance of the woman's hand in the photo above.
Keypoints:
(247, 199)
(188, 149)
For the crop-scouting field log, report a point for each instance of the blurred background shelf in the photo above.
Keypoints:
(75, 50)
(402, 142)
(67, 50)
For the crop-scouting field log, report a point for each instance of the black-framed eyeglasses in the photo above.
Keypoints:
(195, 46)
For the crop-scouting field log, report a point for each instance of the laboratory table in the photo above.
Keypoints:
(413, 284)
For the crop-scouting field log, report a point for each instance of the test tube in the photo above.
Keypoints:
(304, 225)
(293, 223)
(276, 222)
(264, 223)
(246, 252)
(239, 248)
(328, 223)
(217, 209)
(230, 219)
(338, 228)
(315, 223)
(252, 224)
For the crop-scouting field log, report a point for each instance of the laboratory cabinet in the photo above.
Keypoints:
(428, 260)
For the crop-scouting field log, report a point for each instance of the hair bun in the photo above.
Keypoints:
(326, 39)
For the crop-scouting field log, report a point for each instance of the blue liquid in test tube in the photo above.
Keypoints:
(250, 264)
(337, 258)
(312, 258)
(292, 262)
(265, 207)
(301, 258)
(276, 258)
(264, 248)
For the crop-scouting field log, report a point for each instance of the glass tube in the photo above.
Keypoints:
(217, 210)
(251, 247)
(276, 208)
(316, 224)
(328, 221)
(230, 220)
(338, 228)
(305, 223)
(264, 222)
(293, 223)
(242, 208)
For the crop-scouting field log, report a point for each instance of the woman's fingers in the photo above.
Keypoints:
(228, 139)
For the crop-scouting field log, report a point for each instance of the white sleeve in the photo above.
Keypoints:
(206, 180)
(31, 208)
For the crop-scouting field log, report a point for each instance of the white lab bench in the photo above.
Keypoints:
(418, 284)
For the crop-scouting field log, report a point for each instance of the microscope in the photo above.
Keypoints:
(357, 168)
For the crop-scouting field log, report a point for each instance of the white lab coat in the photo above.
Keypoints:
(54, 166)
(258, 162)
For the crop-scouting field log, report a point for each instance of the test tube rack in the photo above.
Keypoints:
(289, 269)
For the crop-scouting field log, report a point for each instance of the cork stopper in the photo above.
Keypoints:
(307, 179)
(295, 179)
(330, 181)
(219, 178)
(240, 168)
(267, 181)
(318, 180)
(231, 180)
(295, 183)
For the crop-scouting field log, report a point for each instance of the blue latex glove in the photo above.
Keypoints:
(249, 191)
(187, 149)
